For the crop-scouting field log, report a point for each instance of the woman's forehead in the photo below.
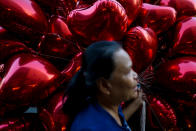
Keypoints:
(122, 59)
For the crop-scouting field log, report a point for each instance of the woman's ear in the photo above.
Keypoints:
(104, 86)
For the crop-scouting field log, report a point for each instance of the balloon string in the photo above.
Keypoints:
(143, 116)
(160, 125)
(60, 58)
(79, 49)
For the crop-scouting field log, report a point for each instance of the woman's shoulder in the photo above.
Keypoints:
(88, 119)
(94, 118)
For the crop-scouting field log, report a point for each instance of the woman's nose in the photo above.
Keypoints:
(135, 75)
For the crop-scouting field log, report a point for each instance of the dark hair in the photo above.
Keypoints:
(97, 61)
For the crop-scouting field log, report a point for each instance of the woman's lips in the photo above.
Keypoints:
(136, 88)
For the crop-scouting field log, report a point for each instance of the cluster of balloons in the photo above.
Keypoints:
(41, 44)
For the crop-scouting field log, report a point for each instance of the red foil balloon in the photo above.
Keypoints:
(57, 50)
(163, 111)
(105, 20)
(28, 80)
(15, 124)
(178, 75)
(132, 8)
(186, 111)
(9, 48)
(55, 102)
(185, 37)
(141, 45)
(23, 17)
(184, 8)
(54, 45)
(57, 25)
(47, 120)
(73, 67)
(54, 106)
(185, 107)
(156, 17)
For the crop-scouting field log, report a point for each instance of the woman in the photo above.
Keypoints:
(95, 93)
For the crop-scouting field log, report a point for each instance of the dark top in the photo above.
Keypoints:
(95, 118)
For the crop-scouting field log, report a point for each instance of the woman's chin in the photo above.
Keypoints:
(132, 96)
(135, 95)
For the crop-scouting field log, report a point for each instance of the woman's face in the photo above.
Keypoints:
(123, 79)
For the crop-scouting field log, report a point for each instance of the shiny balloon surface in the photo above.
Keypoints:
(141, 45)
(28, 79)
(184, 37)
(158, 18)
(104, 20)
(184, 8)
(178, 75)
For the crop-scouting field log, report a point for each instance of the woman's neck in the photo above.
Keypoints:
(112, 109)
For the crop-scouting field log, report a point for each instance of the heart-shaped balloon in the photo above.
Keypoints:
(185, 37)
(162, 112)
(25, 18)
(73, 67)
(9, 48)
(132, 8)
(156, 17)
(186, 112)
(28, 79)
(46, 120)
(105, 20)
(141, 45)
(55, 107)
(54, 45)
(184, 8)
(178, 75)
(58, 25)
(54, 102)
(57, 49)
